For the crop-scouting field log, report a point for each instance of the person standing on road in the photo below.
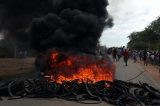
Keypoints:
(126, 56)
(114, 54)
(141, 55)
(119, 53)
(152, 57)
(134, 55)
(145, 57)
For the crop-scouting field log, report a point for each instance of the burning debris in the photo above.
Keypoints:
(118, 93)
(69, 25)
(68, 66)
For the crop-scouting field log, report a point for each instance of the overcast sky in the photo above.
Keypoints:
(129, 16)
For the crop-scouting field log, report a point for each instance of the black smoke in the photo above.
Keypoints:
(16, 17)
(44, 24)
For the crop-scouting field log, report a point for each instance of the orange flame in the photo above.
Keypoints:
(69, 67)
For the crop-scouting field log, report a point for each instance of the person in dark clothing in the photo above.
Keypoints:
(114, 54)
(145, 57)
(126, 56)
(141, 55)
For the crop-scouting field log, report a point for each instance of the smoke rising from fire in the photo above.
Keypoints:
(66, 24)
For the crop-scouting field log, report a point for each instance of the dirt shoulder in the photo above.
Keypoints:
(15, 66)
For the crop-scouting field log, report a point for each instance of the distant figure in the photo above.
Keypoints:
(114, 54)
(119, 53)
(152, 57)
(145, 57)
(25, 53)
(126, 56)
(141, 55)
(20, 54)
(134, 55)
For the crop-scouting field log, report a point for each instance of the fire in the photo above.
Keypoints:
(68, 67)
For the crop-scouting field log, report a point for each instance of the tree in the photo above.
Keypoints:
(148, 38)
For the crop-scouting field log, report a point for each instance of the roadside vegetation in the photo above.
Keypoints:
(148, 38)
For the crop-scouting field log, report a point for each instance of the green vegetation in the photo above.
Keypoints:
(148, 38)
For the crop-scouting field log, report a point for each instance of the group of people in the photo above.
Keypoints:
(148, 56)
(117, 53)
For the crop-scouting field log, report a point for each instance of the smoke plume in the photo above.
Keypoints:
(65, 24)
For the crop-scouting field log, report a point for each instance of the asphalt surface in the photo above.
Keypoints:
(133, 72)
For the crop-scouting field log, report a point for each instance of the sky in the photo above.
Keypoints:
(129, 16)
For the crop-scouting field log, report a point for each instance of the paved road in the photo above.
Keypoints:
(135, 71)
(122, 73)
